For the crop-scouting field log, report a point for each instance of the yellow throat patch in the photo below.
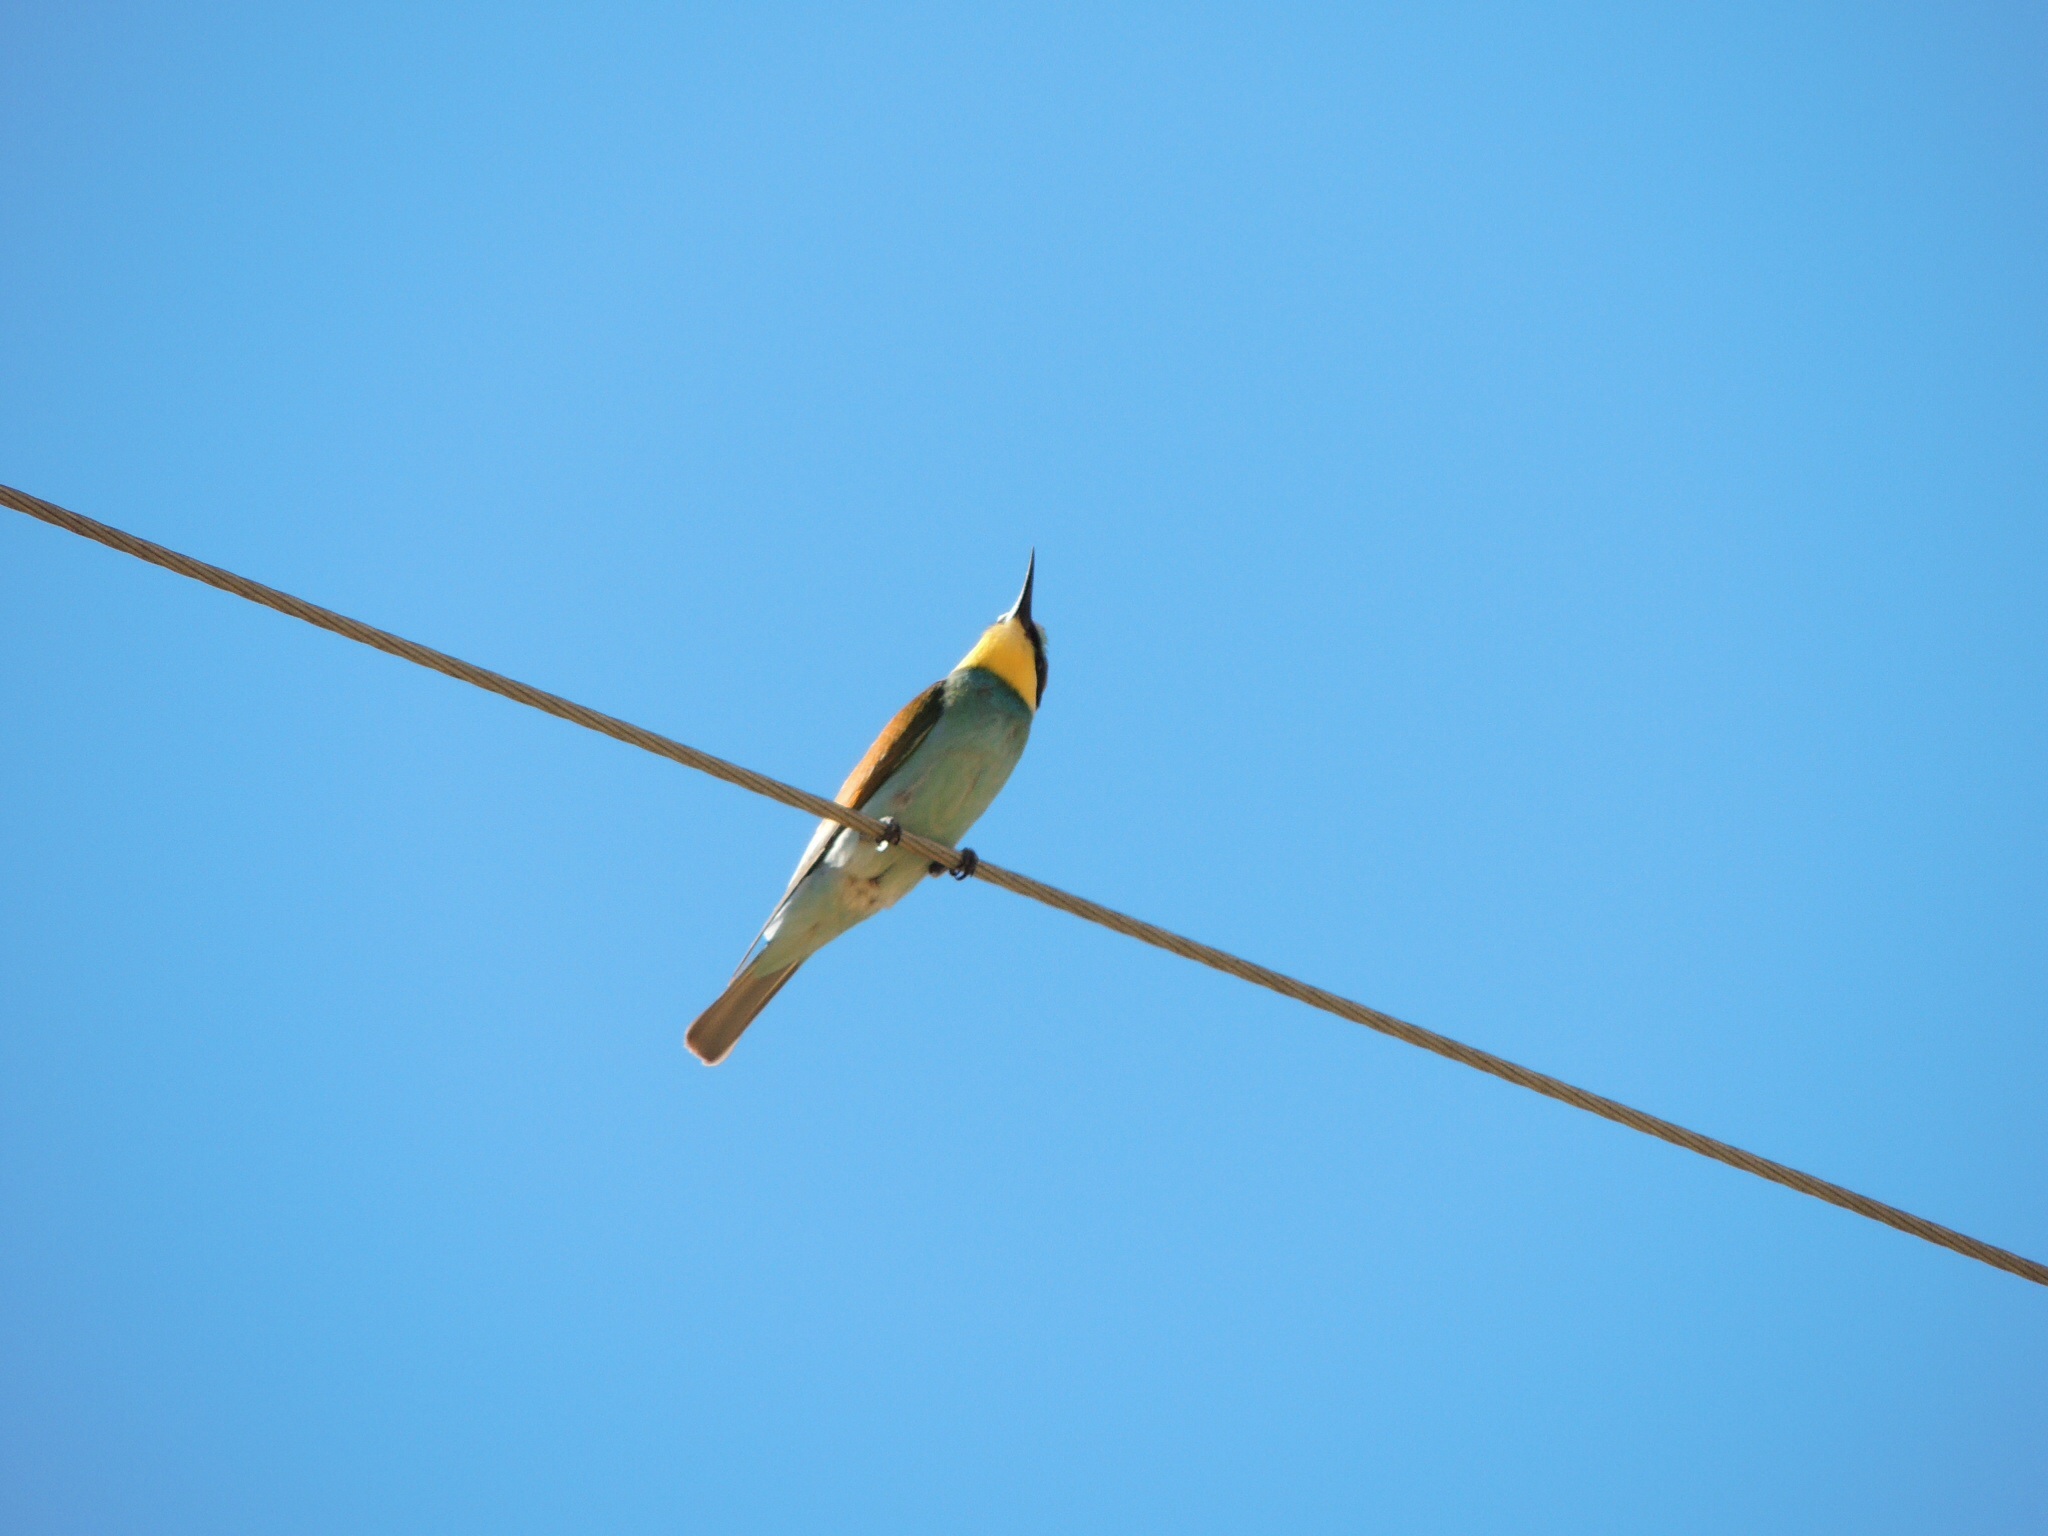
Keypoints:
(1005, 650)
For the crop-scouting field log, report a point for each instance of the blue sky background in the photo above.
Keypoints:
(1541, 520)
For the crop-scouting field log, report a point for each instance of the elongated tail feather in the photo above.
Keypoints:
(720, 1025)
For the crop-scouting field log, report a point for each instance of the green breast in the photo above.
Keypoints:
(957, 771)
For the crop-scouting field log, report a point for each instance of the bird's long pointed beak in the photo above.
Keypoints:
(1022, 611)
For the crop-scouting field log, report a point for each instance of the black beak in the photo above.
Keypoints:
(1022, 611)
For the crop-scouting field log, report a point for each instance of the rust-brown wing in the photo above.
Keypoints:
(900, 737)
(712, 1035)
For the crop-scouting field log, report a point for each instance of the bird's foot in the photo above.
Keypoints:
(970, 861)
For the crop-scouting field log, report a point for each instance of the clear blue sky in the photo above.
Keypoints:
(1541, 519)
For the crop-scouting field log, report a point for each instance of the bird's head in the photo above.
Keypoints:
(1014, 646)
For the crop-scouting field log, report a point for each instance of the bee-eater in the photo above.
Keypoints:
(935, 768)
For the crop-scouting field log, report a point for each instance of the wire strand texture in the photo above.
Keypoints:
(1025, 885)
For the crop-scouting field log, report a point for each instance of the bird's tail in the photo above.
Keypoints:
(720, 1025)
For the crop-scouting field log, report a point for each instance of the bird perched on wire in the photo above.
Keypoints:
(934, 769)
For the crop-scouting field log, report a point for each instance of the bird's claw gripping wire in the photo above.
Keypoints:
(892, 834)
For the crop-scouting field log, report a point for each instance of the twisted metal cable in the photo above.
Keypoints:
(1024, 885)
